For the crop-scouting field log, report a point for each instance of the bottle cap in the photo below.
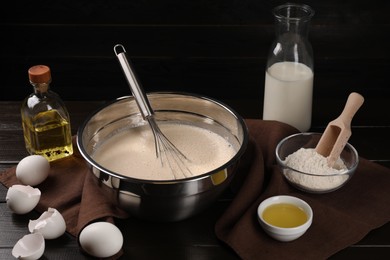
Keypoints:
(39, 74)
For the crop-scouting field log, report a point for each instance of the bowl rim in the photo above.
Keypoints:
(233, 160)
(345, 172)
(276, 199)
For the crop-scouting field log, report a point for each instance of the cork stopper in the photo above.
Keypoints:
(39, 74)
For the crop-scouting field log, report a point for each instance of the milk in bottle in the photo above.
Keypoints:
(288, 94)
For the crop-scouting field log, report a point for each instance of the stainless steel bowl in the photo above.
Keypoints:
(164, 200)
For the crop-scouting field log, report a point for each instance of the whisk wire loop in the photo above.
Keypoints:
(167, 152)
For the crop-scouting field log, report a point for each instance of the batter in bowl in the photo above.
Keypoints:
(132, 153)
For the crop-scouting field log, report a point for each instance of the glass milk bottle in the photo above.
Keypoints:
(45, 119)
(289, 74)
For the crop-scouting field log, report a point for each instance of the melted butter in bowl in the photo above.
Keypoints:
(285, 215)
(284, 218)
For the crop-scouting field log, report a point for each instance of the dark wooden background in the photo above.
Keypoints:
(213, 47)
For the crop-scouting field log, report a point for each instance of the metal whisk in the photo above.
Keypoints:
(166, 151)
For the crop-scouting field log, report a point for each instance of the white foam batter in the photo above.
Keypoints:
(132, 152)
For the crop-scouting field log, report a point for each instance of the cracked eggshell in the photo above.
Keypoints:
(29, 247)
(32, 170)
(21, 199)
(50, 224)
(101, 239)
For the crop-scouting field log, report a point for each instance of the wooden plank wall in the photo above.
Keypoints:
(212, 47)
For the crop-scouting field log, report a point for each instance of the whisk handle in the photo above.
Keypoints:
(135, 86)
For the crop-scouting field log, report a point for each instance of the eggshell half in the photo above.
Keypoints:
(21, 199)
(29, 247)
(32, 170)
(101, 239)
(50, 224)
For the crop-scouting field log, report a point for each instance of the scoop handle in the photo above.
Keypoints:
(354, 102)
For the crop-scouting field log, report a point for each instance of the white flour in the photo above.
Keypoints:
(309, 161)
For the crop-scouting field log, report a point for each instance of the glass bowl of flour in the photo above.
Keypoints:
(307, 170)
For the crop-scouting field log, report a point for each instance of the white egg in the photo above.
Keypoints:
(29, 247)
(21, 199)
(50, 224)
(32, 170)
(101, 239)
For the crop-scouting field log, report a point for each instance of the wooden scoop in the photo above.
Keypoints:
(338, 131)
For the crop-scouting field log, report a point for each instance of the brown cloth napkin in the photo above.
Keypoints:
(73, 191)
(341, 218)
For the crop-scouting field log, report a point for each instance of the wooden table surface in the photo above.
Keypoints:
(193, 238)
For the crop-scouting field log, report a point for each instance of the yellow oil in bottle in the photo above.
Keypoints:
(284, 215)
(48, 134)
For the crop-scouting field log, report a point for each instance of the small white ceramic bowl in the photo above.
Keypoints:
(280, 233)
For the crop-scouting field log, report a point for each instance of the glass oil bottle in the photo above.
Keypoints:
(45, 119)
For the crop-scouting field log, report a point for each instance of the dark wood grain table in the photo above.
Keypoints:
(193, 238)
